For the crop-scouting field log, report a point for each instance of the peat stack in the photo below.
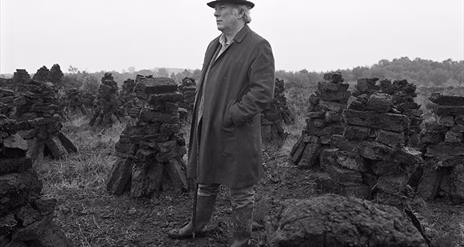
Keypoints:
(140, 97)
(275, 115)
(281, 101)
(6, 102)
(128, 96)
(88, 100)
(73, 102)
(150, 152)
(336, 221)
(20, 77)
(42, 74)
(6, 83)
(370, 160)
(39, 100)
(403, 94)
(187, 88)
(25, 217)
(443, 147)
(107, 110)
(324, 119)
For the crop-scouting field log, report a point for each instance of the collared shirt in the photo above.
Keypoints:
(224, 44)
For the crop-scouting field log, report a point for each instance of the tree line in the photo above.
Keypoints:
(422, 72)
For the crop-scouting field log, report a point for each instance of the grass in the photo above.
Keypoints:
(87, 169)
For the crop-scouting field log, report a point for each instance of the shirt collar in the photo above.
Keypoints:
(222, 38)
(222, 41)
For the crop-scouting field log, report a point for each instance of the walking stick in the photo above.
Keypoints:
(195, 198)
(197, 168)
(194, 212)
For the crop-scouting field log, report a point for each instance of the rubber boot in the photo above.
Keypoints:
(205, 208)
(242, 219)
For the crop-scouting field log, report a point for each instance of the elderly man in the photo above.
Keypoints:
(236, 84)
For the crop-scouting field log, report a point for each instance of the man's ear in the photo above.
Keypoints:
(239, 12)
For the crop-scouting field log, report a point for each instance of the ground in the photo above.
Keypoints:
(90, 216)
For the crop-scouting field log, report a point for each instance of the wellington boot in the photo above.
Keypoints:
(242, 219)
(205, 208)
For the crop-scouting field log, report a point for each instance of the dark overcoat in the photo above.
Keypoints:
(226, 148)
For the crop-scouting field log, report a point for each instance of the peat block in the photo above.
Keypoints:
(336, 221)
(386, 121)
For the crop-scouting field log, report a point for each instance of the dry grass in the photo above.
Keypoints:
(87, 169)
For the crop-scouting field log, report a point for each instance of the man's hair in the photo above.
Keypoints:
(245, 11)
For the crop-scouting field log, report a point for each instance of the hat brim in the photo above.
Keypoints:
(247, 3)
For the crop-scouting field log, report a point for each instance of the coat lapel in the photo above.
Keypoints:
(208, 56)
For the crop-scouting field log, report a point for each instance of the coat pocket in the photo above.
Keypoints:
(229, 141)
(227, 123)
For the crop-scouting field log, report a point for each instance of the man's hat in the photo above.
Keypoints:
(238, 2)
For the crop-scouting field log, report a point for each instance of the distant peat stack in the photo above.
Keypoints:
(277, 114)
(107, 110)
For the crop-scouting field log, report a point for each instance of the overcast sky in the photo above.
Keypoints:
(316, 35)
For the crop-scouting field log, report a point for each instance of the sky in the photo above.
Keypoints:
(96, 35)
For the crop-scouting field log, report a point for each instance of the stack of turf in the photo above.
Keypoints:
(107, 110)
(127, 96)
(281, 101)
(20, 77)
(150, 152)
(6, 83)
(39, 100)
(25, 217)
(403, 94)
(275, 115)
(6, 101)
(188, 88)
(324, 119)
(88, 100)
(42, 74)
(140, 97)
(370, 160)
(443, 146)
(73, 102)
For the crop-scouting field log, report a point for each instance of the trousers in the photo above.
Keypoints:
(239, 197)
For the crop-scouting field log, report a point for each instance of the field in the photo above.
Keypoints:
(90, 216)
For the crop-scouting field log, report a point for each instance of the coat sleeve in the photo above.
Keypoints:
(261, 88)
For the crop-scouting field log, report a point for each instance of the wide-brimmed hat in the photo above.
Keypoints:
(238, 2)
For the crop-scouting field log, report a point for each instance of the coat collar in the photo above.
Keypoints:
(242, 34)
(238, 37)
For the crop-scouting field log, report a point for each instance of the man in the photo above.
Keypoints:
(236, 84)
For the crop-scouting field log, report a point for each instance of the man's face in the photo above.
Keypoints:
(227, 17)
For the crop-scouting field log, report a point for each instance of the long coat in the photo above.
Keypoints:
(226, 147)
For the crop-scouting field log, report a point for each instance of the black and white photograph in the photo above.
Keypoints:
(231, 123)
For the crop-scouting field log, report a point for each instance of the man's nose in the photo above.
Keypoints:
(216, 13)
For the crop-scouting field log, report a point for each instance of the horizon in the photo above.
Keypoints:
(65, 70)
(113, 36)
